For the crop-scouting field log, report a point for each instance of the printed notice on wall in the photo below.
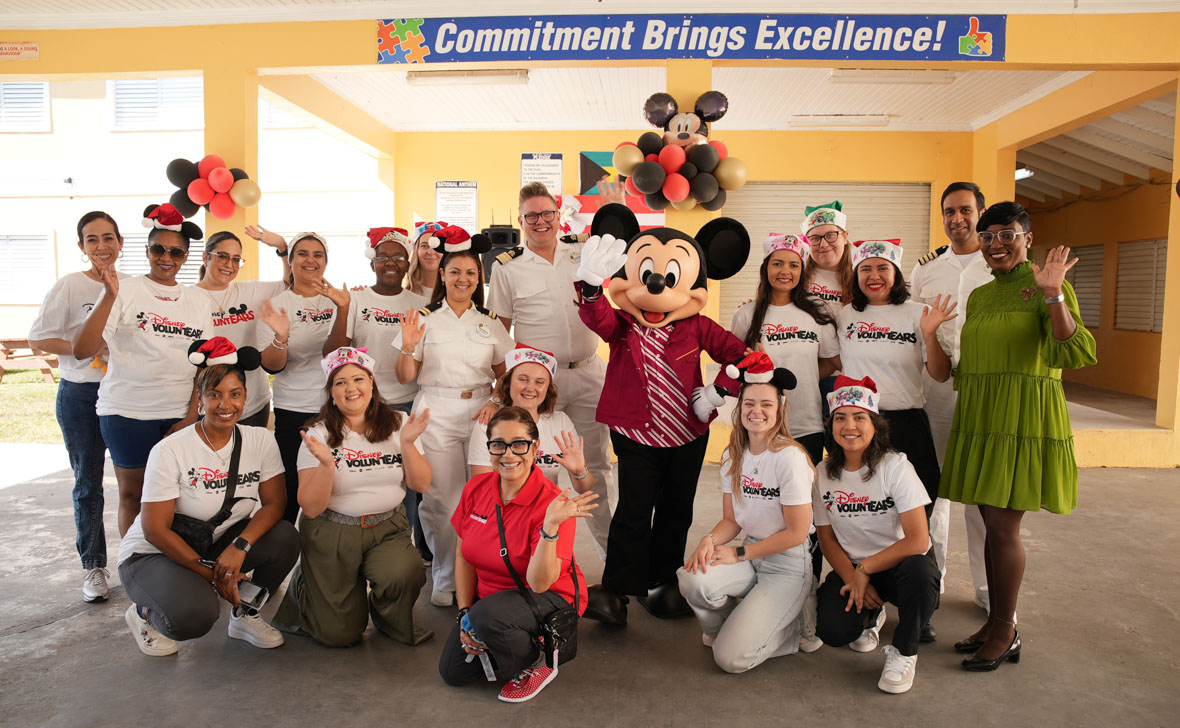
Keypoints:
(19, 50)
(457, 202)
(543, 168)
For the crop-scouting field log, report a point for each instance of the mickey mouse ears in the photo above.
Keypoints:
(220, 350)
(167, 217)
(454, 239)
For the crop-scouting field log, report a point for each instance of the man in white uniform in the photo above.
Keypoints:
(532, 288)
(956, 269)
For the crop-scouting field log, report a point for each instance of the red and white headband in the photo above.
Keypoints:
(220, 350)
(849, 392)
(523, 354)
(163, 217)
(758, 368)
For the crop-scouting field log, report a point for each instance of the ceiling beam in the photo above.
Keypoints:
(1085, 151)
(1161, 144)
(1073, 161)
(1047, 190)
(1120, 149)
(334, 114)
(1042, 164)
(1029, 192)
(1144, 115)
(1059, 182)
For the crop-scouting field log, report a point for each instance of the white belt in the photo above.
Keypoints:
(575, 364)
(483, 390)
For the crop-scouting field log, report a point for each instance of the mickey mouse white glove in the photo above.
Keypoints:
(705, 400)
(602, 257)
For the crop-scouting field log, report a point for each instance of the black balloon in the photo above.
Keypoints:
(704, 156)
(181, 171)
(650, 143)
(183, 204)
(711, 106)
(703, 187)
(238, 174)
(656, 201)
(716, 203)
(648, 177)
(659, 108)
(688, 170)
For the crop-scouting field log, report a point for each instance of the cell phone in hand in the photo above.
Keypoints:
(252, 596)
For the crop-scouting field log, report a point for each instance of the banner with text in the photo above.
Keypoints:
(727, 37)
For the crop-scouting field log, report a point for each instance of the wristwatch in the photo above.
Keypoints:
(741, 553)
(281, 253)
(242, 544)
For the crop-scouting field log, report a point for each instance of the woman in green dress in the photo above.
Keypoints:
(1011, 445)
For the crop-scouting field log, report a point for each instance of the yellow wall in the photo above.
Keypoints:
(1128, 361)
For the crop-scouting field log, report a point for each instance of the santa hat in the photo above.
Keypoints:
(428, 227)
(797, 244)
(348, 355)
(380, 235)
(851, 392)
(831, 213)
(167, 217)
(454, 239)
(757, 368)
(523, 353)
(890, 250)
(220, 350)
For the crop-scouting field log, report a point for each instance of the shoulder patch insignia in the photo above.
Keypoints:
(574, 239)
(932, 255)
(509, 255)
(430, 308)
(486, 312)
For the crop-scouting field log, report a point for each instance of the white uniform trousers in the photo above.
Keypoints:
(578, 391)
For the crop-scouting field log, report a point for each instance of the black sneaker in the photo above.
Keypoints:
(928, 634)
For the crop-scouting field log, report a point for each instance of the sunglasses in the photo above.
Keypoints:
(175, 253)
(519, 447)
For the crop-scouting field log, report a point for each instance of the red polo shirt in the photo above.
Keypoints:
(475, 524)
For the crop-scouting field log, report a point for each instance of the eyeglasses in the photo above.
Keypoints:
(532, 217)
(235, 260)
(383, 259)
(1007, 237)
(159, 250)
(829, 237)
(519, 447)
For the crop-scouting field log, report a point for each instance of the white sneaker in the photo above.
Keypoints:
(898, 675)
(707, 639)
(442, 598)
(255, 630)
(94, 585)
(808, 642)
(149, 641)
(871, 637)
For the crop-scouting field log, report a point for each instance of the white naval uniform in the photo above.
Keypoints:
(454, 382)
(539, 298)
(938, 273)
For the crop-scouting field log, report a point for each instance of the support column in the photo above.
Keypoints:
(231, 132)
(1167, 407)
(993, 169)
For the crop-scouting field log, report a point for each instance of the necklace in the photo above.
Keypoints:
(216, 452)
(756, 460)
(220, 304)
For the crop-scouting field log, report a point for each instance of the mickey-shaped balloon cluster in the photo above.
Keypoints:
(681, 167)
(209, 183)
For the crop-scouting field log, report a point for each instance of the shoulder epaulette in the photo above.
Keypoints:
(579, 238)
(932, 255)
(509, 255)
(430, 308)
(486, 312)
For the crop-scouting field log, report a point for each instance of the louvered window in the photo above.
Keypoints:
(1086, 279)
(157, 104)
(1139, 301)
(28, 271)
(135, 263)
(24, 106)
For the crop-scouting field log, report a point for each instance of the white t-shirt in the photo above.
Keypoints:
(300, 386)
(148, 333)
(866, 515)
(794, 340)
(234, 312)
(369, 476)
(549, 426)
(373, 321)
(458, 351)
(62, 314)
(885, 343)
(770, 480)
(825, 285)
(183, 468)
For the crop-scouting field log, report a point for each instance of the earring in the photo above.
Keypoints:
(120, 253)
(85, 258)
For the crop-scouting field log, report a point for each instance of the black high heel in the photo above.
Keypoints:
(1012, 654)
(968, 646)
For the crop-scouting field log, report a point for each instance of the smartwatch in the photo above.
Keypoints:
(281, 253)
(741, 553)
(242, 544)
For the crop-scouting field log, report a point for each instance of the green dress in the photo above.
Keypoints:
(1011, 444)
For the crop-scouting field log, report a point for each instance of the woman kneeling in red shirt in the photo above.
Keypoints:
(539, 534)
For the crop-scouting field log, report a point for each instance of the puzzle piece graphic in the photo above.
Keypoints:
(397, 55)
(405, 27)
(386, 40)
(416, 52)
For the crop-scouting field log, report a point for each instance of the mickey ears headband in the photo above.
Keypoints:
(454, 239)
(167, 217)
(724, 243)
(757, 368)
(220, 350)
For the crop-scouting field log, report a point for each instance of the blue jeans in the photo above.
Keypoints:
(87, 451)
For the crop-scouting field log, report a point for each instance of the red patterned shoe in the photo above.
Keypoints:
(527, 684)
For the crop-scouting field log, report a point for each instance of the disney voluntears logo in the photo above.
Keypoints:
(361, 459)
(382, 316)
(853, 504)
(313, 315)
(823, 292)
(233, 315)
(869, 331)
(156, 323)
(547, 459)
(756, 489)
(214, 479)
(774, 333)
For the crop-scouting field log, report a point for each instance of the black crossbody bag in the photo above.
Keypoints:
(199, 534)
(559, 632)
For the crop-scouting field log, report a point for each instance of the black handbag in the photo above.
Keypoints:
(559, 632)
(199, 534)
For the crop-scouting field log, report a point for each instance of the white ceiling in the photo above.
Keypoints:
(759, 98)
(19, 14)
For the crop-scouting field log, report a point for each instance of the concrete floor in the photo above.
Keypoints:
(1097, 614)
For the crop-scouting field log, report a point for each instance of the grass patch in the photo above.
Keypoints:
(28, 406)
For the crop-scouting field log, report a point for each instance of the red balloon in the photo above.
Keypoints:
(209, 163)
(623, 144)
(222, 206)
(676, 187)
(722, 152)
(221, 179)
(631, 188)
(200, 192)
(652, 158)
(671, 158)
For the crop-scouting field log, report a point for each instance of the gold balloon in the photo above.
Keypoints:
(686, 204)
(245, 193)
(626, 158)
(730, 173)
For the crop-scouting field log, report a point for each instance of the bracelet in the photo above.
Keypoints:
(281, 253)
(861, 568)
(406, 353)
(1059, 298)
(711, 539)
(280, 345)
(546, 536)
(581, 476)
(459, 616)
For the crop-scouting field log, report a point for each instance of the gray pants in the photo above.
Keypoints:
(181, 604)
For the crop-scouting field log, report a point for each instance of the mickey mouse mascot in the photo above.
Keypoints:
(653, 400)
